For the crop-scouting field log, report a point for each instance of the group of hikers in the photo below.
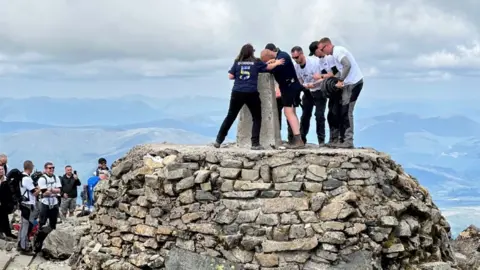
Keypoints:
(329, 72)
(41, 197)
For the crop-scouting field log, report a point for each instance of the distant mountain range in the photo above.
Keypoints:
(442, 151)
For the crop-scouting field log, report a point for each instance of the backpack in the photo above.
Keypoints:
(35, 176)
(14, 178)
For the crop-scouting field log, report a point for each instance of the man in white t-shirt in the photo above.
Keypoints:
(327, 69)
(28, 209)
(351, 83)
(306, 68)
(50, 187)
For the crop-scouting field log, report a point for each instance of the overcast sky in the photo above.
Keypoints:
(406, 49)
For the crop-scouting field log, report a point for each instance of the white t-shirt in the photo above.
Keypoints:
(355, 74)
(26, 188)
(305, 74)
(47, 182)
(326, 63)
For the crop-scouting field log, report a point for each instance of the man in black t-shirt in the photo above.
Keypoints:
(290, 89)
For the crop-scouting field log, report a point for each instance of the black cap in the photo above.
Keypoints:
(313, 47)
(271, 47)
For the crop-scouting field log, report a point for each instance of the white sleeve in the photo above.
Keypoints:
(339, 53)
(27, 183)
(58, 183)
(42, 182)
(329, 63)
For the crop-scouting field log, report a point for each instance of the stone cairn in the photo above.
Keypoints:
(196, 207)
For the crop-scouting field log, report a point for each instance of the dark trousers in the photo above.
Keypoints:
(280, 113)
(4, 223)
(237, 100)
(309, 100)
(350, 94)
(49, 212)
(334, 116)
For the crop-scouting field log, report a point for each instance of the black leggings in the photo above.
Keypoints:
(237, 100)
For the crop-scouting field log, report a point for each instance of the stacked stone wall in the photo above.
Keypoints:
(172, 207)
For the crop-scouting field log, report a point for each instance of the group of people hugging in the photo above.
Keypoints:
(329, 72)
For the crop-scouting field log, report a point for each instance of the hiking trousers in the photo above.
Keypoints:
(27, 217)
(350, 95)
(49, 212)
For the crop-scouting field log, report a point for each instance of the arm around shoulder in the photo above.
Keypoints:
(277, 62)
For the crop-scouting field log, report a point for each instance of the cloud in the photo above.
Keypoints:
(122, 38)
(462, 57)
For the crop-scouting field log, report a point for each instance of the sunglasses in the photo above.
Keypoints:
(50, 168)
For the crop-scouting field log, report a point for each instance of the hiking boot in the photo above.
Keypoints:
(26, 252)
(216, 144)
(332, 143)
(322, 145)
(346, 145)
(297, 143)
(257, 147)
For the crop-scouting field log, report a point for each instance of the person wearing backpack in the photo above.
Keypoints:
(5, 205)
(50, 188)
(28, 209)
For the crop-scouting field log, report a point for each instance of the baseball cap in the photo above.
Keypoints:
(313, 47)
(271, 47)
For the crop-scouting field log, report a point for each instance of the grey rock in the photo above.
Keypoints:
(250, 175)
(316, 173)
(229, 173)
(336, 238)
(185, 183)
(202, 176)
(297, 244)
(284, 205)
(332, 184)
(179, 259)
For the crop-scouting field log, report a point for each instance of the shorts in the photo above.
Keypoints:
(68, 205)
(291, 95)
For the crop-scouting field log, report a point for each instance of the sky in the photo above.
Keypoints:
(422, 49)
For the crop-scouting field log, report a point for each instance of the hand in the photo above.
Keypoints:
(277, 93)
(317, 76)
(37, 191)
(279, 62)
(75, 176)
(271, 61)
(65, 196)
(309, 85)
(339, 84)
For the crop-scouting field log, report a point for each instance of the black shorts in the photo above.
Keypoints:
(291, 95)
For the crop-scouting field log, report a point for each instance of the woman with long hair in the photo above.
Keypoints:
(244, 71)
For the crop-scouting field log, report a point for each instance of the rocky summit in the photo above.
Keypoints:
(196, 207)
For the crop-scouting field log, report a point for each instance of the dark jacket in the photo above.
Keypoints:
(6, 201)
(69, 186)
(329, 89)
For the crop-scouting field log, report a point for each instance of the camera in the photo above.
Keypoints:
(75, 172)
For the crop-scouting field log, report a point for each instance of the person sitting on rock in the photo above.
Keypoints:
(244, 71)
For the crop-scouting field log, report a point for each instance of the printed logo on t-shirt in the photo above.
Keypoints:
(245, 70)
